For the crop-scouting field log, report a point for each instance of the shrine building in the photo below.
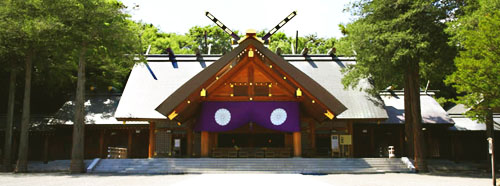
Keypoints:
(253, 102)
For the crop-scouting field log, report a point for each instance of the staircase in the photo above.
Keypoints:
(249, 165)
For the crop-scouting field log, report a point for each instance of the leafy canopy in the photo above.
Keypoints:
(389, 35)
(478, 64)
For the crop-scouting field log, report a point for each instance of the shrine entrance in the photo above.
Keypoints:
(258, 142)
(249, 140)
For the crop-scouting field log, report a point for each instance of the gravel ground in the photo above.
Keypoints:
(60, 179)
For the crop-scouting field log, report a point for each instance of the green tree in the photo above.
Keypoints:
(282, 41)
(395, 41)
(478, 63)
(219, 41)
(8, 60)
(27, 31)
(101, 35)
(317, 45)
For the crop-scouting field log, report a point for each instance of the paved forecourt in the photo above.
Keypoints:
(388, 179)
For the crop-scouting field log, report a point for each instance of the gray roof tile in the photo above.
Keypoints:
(99, 109)
(432, 112)
(143, 94)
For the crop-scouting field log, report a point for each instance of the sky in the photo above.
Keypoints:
(320, 17)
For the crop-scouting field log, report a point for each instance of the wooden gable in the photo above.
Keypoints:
(250, 80)
(242, 75)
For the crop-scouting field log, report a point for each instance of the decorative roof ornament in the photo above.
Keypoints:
(222, 26)
(277, 27)
(251, 32)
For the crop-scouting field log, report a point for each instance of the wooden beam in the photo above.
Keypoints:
(250, 80)
(372, 140)
(101, 143)
(401, 141)
(45, 148)
(129, 146)
(189, 136)
(152, 128)
(297, 145)
(351, 148)
(205, 143)
(312, 127)
(278, 76)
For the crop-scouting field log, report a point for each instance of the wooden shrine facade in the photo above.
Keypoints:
(251, 73)
(331, 120)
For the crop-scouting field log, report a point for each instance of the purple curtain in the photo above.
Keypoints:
(218, 116)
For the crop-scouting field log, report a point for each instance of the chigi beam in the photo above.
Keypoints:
(281, 24)
(221, 25)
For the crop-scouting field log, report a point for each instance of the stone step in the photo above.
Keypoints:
(250, 165)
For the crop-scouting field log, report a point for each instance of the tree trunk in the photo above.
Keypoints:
(490, 133)
(7, 157)
(413, 115)
(408, 118)
(77, 165)
(22, 160)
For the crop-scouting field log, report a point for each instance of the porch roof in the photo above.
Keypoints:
(99, 109)
(432, 112)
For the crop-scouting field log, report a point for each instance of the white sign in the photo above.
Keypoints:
(177, 143)
(335, 143)
(490, 145)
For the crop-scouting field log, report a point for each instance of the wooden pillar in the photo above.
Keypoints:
(373, 151)
(312, 127)
(215, 142)
(297, 146)
(101, 143)
(45, 155)
(401, 142)
(205, 143)
(152, 129)
(452, 144)
(189, 136)
(129, 146)
(351, 147)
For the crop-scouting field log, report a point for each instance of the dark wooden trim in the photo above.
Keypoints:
(101, 143)
(129, 145)
(351, 132)
(45, 155)
(189, 142)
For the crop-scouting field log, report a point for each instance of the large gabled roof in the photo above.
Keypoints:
(195, 83)
(142, 94)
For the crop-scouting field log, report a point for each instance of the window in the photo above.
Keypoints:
(261, 90)
(240, 90)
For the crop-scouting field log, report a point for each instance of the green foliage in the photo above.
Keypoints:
(219, 40)
(150, 35)
(53, 31)
(101, 29)
(389, 35)
(478, 64)
(281, 40)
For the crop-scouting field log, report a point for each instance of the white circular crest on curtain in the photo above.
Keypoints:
(222, 116)
(278, 116)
